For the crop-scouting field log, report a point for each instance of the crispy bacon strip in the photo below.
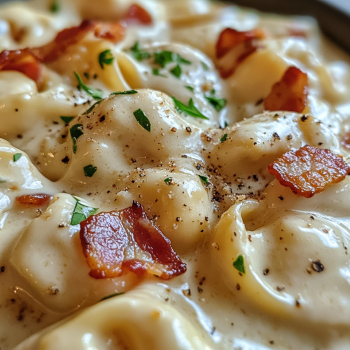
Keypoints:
(244, 44)
(21, 61)
(126, 240)
(137, 15)
(113, 32)
(33, 199)
(290, 93)
(64, 39)
(309, 170)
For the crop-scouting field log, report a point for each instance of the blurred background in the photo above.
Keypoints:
(333, 16)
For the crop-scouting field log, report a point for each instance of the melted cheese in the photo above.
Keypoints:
(294, 293)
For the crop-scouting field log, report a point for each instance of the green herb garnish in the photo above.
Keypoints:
(217, 103)
(189, 88)
(204, 179)
(238, 264)
(16, 156)
(55, 6)
(226, 124)
(67, 119)
(81, 212)
(105, 58)
(155, 71)
(176, 71)
(168, 180)
(142, 119)
(205, 66)
(94, 93)
(92, 107)
(89, 170)
(112, 295)
(128, 92)
(191, 109)
(164, 57)
(224, 138)
(138, 54)
(75, 133)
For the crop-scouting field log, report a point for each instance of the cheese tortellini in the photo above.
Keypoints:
(133, 110)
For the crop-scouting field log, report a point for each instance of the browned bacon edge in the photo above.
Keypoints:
(309, 170)
(106, 236)
(290, 93)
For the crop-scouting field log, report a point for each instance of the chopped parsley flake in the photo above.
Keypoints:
(168, 180)
(105, 58)
(162, 58)
(226, 124)
(81, 212)
(205, 66)
(75, 133)
(238, 264)
(94, 93)
(128, 92)
(224, 138)
(217, 103)
(138, 54)
(55, 6)
(189, 88)
(142, 119)
(191, 109)
(92, 107)
(112, 295)
(67, 119)
(176, 71)
(16, 156)
(155, 71)
(204, 179)
(89, 170)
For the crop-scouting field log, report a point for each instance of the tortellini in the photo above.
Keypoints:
(137, 139)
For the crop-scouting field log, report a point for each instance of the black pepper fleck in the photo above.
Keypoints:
(317, 266)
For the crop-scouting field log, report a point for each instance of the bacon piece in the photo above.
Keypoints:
(21, 61)
(309, 170)
(33, 199)
(113, 32)
(64, 39)
(126, 240)
(136, 14)
(290, 93)
(243, 44)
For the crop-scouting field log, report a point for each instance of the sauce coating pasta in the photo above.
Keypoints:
(173, 175)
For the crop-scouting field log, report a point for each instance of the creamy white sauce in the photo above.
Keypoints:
(47, 298)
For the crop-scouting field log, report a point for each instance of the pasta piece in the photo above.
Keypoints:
(243, 42)
(309, 170)
(108, 238)
(33, 199)
(290, 93)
